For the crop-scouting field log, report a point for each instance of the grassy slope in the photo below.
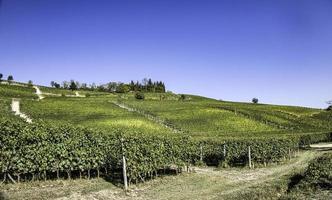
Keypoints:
(14, 91)
(208, 117)
(7, 92)
(92, 112)
(201, 117)
(98, 112)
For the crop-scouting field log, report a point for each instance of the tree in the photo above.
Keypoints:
(10, 78)
(30, 84)
(144, 83)
(111, 86)
(132, 86)
(1, 76)
(57, 85)
(73, 85)
(52, 84)
(330, 106)
(254, 100)
(65, 84)
(149, 85)
(93, 86)
(139, 96)
(122, 88)
(182, 97)
(84, 86)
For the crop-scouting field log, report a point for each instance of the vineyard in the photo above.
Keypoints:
(88, 137)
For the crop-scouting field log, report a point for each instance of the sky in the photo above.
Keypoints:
(278, 51)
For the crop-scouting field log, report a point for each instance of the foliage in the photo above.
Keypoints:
(122, 88)
(55, 84)
(319, 172)
(329, 108)
(46, 148)
(255, 100)
(182, 97)
(10, 78)
(316, 178)
(30, 84)
(73, 85)
(147, 85)
(139, 95)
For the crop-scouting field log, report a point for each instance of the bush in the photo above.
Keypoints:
(329, 108)
(182, 97)
(87, 95)
(139, 96)
(319, 172)
(313, 182)
(30, 84)
(255, 100)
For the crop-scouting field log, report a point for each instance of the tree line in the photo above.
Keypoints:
(9, 78)
(146, 85)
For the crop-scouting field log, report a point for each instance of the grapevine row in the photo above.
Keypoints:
(43, 150)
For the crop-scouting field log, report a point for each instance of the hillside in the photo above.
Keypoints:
(196, 116)
(85, 134)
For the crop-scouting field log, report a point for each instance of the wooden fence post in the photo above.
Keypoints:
(224, 151)
(201, 156)
(124, 168)
(249, 156)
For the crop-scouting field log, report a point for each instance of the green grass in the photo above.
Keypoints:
(315, 182)
(59, 91)
(91, 112)
(207, 117)
(198, 116)
(14, 91)
(56, 91)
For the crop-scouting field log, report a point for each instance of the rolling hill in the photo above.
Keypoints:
(87, 133)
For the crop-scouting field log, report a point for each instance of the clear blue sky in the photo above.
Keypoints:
(278, 51)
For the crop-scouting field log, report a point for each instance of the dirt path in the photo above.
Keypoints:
(38, 93)
(204, 183)
(321, 145)
(146, 115)
(15, 106)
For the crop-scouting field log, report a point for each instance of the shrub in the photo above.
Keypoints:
(139, 96)
(319, 172)
(255, 100)
(30, 84)
(10, 78)
(329, 108)
(182, 97)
